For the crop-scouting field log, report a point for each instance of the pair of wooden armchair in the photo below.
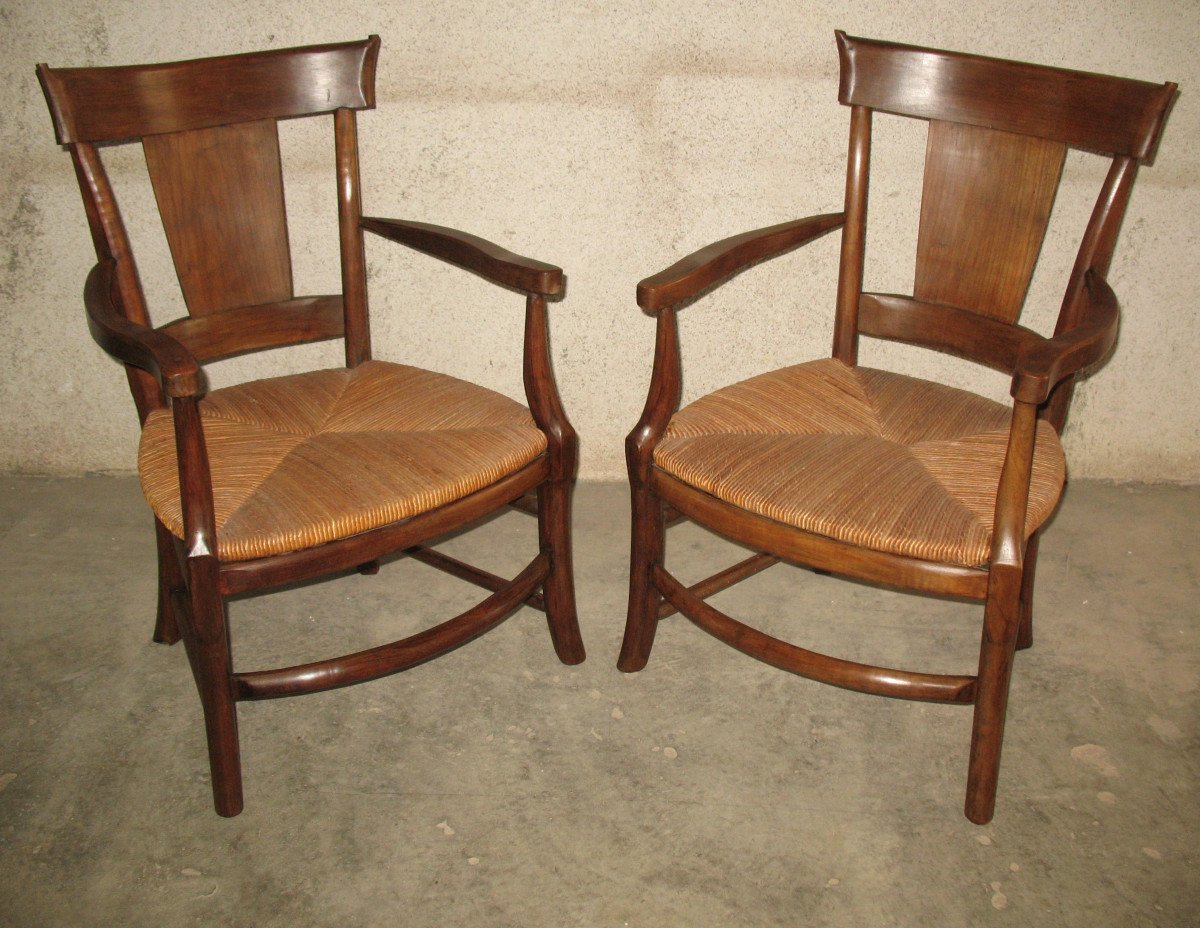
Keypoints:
(849, 470)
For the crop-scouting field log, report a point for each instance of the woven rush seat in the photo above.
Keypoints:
(868, 457)
(301, 460)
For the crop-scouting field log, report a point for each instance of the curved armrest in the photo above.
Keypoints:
(139, 345)
(471, 252)
(720, 260)
(1040, 368)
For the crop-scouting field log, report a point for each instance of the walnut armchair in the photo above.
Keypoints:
(274, 481)
(877, 476)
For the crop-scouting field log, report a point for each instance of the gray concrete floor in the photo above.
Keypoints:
(497, 787)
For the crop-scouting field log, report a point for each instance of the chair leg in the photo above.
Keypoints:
(213, 666)
(1025, 631)
(166, 625)
(1001, 619)
(646, 550)
(554, 532)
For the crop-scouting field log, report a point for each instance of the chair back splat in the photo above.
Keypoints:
(877, 476)
(274, 481)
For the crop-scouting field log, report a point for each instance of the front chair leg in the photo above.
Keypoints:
(554, 532)
(646, 550)
(213, 666)
(1025, 631)
(1001, 620)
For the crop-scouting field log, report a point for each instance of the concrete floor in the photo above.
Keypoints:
(496, 787)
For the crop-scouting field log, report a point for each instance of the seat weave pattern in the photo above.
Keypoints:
(868, 457)
(306, 459)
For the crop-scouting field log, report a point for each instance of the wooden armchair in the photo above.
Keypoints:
(270, 482)
(878, 476)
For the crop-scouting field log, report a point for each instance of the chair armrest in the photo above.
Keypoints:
(176, 369)
(1040, 367)
(471, 252)
(717, 262)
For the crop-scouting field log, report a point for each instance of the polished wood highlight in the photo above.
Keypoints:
(997, 139)
(209, 131)
(270, 325)
(115, 104)
(866, 678)
(472, 253)
(1094, 112)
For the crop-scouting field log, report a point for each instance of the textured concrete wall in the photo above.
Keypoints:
(611, 138)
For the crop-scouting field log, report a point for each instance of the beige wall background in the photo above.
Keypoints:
(611, 138)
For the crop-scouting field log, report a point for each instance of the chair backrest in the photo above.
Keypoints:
(997, 139)
(209, 131)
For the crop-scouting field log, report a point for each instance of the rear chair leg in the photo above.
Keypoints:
(1001, 619)
(166, 625)
(213, 666)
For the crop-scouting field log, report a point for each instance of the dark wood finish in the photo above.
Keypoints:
(112, 244)
(554, 494)
(850, 271)
(880, 681)
(722, 580)
(955, 331)
(1095, 254)
(1050, 361)
(230, 250)
(253, 328)
(646, 544)
(672, 516)
(473, 253)
(718, 262)
(350, 239)
(997, 142)
(526, 504)
(1095, 112)
(140, 346)
(972, 172)
(115, 104)
(468, 572)
(396, 656)
(209, 133)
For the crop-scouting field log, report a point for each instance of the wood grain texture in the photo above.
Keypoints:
(471, 252)
(850, 271)
(984, 210)
(955, 331)
(721, 260)
(1113, 115)
(114, 104)
(254, 328)
(220, 195)
(211, 461)
(996, 148)
(350, 239)
(865, 678)
(386, 659)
